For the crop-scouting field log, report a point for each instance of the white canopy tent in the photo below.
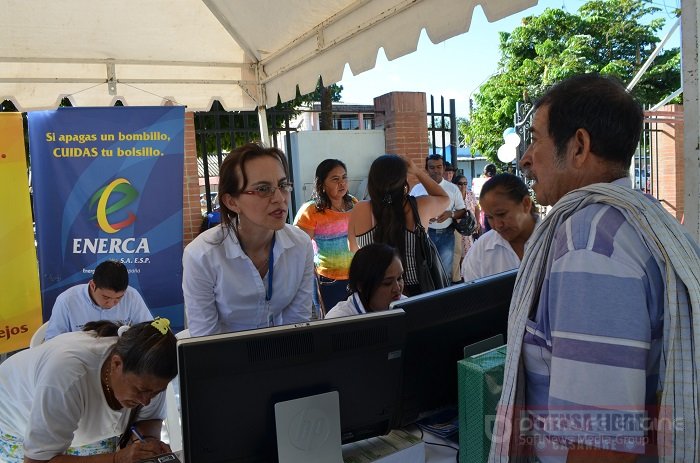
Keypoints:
(243, 53)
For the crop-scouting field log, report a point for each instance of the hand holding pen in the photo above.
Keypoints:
(140, 448)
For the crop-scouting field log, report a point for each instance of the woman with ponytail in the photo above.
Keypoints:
(388, 218)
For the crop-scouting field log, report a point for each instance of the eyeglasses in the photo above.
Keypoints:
(267, 191)
(462, 183)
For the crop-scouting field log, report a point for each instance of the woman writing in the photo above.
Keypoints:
(253, 270)
(325, 219)
(73, 395)
(376, 280)
(506, 203)
(388, 216)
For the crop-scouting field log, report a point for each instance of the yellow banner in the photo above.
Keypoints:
(20, 302)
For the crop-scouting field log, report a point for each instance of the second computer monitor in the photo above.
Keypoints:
(439, 325)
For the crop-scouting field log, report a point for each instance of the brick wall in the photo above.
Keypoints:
(192, 215)
(667, 144)
(404, 118)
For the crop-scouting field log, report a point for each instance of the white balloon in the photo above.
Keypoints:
(507, 132)
(506, 153)
(512, 139)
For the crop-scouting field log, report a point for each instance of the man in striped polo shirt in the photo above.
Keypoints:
(592, 298)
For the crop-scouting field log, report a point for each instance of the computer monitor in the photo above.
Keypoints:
(230, 383)
(439, 325)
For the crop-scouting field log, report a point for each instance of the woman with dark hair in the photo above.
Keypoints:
(463, 243)
(254, 270)
(506, 203)
(73, 395)
(477, 183)
(325, 219)
(376, 280)
(388, 216)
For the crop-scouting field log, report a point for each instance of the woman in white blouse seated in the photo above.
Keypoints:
(506, 203)
(375, 280)
(253, 270)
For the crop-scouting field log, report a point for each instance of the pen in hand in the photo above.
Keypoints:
(136, 433)
(155, 448)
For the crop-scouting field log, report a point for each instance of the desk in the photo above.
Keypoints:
(436, 453)
(433, 453)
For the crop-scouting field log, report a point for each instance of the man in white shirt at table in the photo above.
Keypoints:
(107, 296)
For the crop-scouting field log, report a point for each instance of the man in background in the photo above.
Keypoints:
(449, 172)
(107, 296)
(439, 229)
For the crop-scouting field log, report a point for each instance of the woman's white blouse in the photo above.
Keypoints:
(224, 292)
(490, 254)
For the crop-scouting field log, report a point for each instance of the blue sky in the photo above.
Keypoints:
(456, 67)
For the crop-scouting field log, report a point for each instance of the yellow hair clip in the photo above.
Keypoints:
(161, 324)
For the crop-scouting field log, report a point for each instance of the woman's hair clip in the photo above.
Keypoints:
(387, 199)
(122, 329)
(161, 324)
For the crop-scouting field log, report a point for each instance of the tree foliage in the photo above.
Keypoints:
(234, 128)
(605, 36)
(333, 90)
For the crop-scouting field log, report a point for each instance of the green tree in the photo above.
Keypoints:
(333, 91)
(249, 119)
(462, 127)
(605, 36)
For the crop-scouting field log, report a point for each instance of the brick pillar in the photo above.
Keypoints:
(404, 118)
(667, 144)
(191, 212)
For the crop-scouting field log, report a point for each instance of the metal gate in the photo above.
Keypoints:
(645, 164)
(442, 129)
(644, 169)
(218, 131)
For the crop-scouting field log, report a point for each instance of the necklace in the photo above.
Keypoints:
(109, 390)
(261, 266)
(110, 397)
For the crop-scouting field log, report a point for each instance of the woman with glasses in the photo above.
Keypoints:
(325, 219)
(506, 203)
(254, 270)
(463, 243)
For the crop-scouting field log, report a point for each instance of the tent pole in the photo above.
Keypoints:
(690, 43)
(262, 121)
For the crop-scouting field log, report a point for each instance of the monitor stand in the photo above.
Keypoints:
(308, 429)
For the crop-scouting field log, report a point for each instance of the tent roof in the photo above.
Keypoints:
(240, 52)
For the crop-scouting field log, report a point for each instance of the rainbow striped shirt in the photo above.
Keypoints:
(330, 228)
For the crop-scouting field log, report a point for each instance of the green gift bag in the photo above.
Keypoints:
(480, 380)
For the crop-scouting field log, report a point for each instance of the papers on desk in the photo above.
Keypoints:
(395, 447)
(164, 458)
(444, 423)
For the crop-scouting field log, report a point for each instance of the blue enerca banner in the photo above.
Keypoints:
(107, 184)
